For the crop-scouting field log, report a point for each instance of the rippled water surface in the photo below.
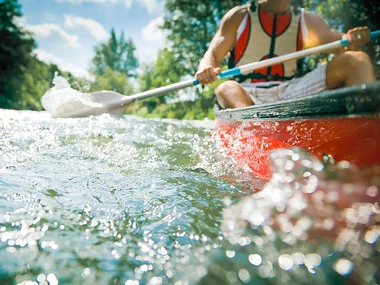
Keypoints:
(108, 200)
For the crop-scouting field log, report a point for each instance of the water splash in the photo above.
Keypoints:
(62, 99)
(316, 222)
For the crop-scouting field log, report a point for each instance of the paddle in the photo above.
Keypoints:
(100, 102)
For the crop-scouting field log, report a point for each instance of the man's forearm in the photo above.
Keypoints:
(208, 60)
(338, 36)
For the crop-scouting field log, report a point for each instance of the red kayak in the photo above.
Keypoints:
(334, 126)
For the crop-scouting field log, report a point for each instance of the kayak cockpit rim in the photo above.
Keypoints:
(356, 101)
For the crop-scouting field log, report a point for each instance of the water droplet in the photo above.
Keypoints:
(255, 259)
(372, 191)
(372, 236)
(131, 282)
(244, 275)
(231, 277)
(343, 267)
(285, 262)
(41, 277)
(230, 253)
(312, 260)
(52, 279)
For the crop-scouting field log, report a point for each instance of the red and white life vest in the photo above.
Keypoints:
(263, 35)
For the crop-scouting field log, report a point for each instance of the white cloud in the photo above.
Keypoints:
(93, 27)
(150, 5)
(46, 30)
(153, 40)
(51, 58)
(128, 3)
(47, 57)
(152, 32)
(89, 1)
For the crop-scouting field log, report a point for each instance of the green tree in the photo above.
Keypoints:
(15, 48)
(37, 79)
(117, 54)
(146, 78)
(165, 71)
(112, 80)
(192, 26)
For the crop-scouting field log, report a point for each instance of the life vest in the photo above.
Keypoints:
(263, 35)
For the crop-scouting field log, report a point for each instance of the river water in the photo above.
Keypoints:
(127, 200)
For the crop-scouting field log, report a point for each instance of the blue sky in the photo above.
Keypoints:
(66, 31)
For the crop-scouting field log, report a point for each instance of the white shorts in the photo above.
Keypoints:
(269, 92)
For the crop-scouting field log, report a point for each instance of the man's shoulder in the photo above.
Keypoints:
(236, 14)
(312, 18)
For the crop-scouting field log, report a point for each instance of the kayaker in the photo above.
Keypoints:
(270, 28)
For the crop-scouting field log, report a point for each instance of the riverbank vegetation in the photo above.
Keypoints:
(24, 78)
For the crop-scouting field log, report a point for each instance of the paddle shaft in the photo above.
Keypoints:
(244, 69)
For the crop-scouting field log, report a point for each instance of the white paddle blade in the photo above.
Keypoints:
(108, 99)
(67, 102)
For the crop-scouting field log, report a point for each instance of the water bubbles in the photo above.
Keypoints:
(51, 244)
(298, 258)
(285, 261)
(312, 260)
(230, 253)
(155, 281)
(244, 275)
(311, 184)
(372, 236)
(132, 282)
(266, 270)
(231, 276)
(255, 259)
(86, 272)
(41, 278)
(372, 191)
(28, 282)
(343, 266)
(317, 209)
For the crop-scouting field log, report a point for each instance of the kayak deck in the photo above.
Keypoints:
(361, 99)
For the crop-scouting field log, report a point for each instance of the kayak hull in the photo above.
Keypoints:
(350, 134)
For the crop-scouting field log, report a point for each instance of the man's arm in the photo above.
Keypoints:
(320, 33)
(220, 45)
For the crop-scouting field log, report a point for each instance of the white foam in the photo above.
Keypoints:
(62, 99)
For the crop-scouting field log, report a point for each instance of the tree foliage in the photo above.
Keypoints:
(15, 48)
(114, 64)
(164, 71)
(117, 54)
(112, 80)
(191, 27)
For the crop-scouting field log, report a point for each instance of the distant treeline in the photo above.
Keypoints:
(24, 78)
